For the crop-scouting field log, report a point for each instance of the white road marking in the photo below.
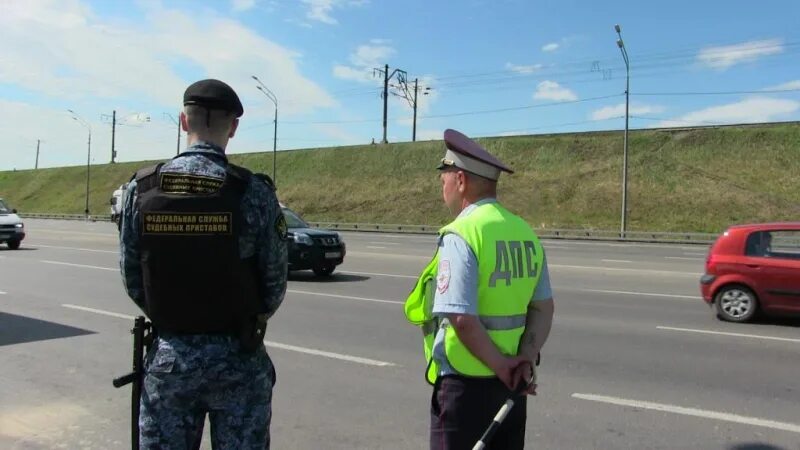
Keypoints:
(294, 348)
(694, 254)
(3, 293)
(725, 333)
(384, 243)
(380, 274)
(390, 255)
(648, 294)
(374, 246)
(99, 311)
(79, 265)
(363, 299)
(617, 260)
(685, 258)
(84, 233)
(340, 356)
(704, 413)
(616, 269)
(115, 252)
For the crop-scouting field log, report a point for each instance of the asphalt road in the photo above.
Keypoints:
(635, 359)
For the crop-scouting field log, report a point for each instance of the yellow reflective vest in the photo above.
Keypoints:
(510, 259)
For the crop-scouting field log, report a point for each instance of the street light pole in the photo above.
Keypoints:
(78, 119)
(177, 124)
(270, 95)
(621, 45)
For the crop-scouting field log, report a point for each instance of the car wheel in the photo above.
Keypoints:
(324, 271)
(735, 303)
(13, 245)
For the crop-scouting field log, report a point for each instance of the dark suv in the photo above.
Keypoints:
(312, 248)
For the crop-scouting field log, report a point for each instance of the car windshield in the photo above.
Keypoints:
(293, 220)
(4, 209)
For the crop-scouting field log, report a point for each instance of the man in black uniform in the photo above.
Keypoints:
(203, 254)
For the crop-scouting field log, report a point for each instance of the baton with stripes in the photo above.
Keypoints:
(501, 415)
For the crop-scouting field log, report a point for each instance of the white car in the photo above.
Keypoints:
(12, 230)
(116, 203)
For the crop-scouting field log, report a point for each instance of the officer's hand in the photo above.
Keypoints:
(507, 368)
(526, 375)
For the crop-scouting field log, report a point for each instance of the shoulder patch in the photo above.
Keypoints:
(281, 228)
(443, 276)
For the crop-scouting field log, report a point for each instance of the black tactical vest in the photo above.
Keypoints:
(195, 280)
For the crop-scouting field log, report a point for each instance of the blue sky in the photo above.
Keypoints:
(498, 67)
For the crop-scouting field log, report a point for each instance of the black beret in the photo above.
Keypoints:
(213, 94)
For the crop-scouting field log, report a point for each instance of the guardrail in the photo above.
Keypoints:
(603, 235)
(573, 234)
(90, 218)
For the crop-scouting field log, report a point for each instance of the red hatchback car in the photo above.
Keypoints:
(754, 268)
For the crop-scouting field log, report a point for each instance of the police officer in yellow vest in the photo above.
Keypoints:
(484, 304)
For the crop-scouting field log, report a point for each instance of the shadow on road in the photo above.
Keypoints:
(755, 446)
(309, 276)
(16, 329)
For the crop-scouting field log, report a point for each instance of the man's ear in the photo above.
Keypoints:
(234, 126)
(462, 181)
(184, 122)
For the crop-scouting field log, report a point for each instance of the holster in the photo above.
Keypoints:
(252, 331)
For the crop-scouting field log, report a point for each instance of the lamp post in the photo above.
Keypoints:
(178, 125)
(624, 51)
(78, 119)
(265, 90)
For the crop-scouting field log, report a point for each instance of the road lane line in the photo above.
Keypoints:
(694, 254)
(363, 299)
(389, 255)
(391, 275)
(82, 233)
(375, 246)
(618, 269)
(294, 348)
(616, 260)
(340, 356)
(384, 243)
(3, 293)
(115, 252)
(342, 272)
(725, 333)
(79, 265)
(648, 294)
(99, 311)
(704, 413)
(684, 258)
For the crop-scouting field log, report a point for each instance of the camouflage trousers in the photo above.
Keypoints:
(187, 377)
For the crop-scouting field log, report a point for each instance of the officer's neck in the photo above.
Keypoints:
(199, 138)
(468, 200)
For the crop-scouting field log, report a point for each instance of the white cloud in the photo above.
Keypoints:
(524, 69)
(339, 134)
(724, 57)
(361, 74)
(320, 10)
(551, 47)
(242, 5)
(750, 110)
(430, 135)
(785, 86)
(366, 58)
(63, 51)
(608, 112)
(550, 90)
